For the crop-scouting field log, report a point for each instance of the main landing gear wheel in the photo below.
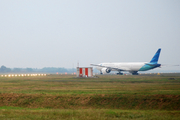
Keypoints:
(135, 73)
(119, 73)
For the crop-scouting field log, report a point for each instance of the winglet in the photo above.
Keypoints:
(156, 56)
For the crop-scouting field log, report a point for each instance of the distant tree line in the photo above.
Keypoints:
(4, 69)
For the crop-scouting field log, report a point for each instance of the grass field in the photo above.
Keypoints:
(106, 97)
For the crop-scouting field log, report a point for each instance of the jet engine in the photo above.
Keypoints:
(105, 70)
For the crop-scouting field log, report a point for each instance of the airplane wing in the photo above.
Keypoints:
(112, 68)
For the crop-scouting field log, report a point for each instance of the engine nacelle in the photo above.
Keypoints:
(105, 70)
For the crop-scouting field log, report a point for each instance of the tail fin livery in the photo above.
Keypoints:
(156, 56)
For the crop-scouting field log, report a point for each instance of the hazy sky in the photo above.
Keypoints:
(59, 33)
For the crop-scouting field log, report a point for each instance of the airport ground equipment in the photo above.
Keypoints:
(84, 72)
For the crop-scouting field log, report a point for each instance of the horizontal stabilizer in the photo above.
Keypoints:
(153, 64)
(166, 65)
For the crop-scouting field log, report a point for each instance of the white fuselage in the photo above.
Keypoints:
(129, 66)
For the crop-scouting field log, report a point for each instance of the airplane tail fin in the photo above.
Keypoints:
(156, 56)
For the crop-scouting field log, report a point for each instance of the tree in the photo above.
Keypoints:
(29, 69)
(4, 69)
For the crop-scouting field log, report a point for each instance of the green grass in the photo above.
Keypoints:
(104, 85)
(104, 98)
(86, 114)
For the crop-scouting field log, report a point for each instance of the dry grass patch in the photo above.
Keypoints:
(160, 102)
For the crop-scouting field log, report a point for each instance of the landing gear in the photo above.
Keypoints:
(135, 73)
(119, 73)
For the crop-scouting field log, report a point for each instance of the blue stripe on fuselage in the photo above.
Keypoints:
(148, 67)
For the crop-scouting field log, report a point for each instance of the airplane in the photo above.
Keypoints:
(132, 67)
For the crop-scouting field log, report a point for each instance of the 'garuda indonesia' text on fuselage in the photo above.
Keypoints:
(132, 67)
